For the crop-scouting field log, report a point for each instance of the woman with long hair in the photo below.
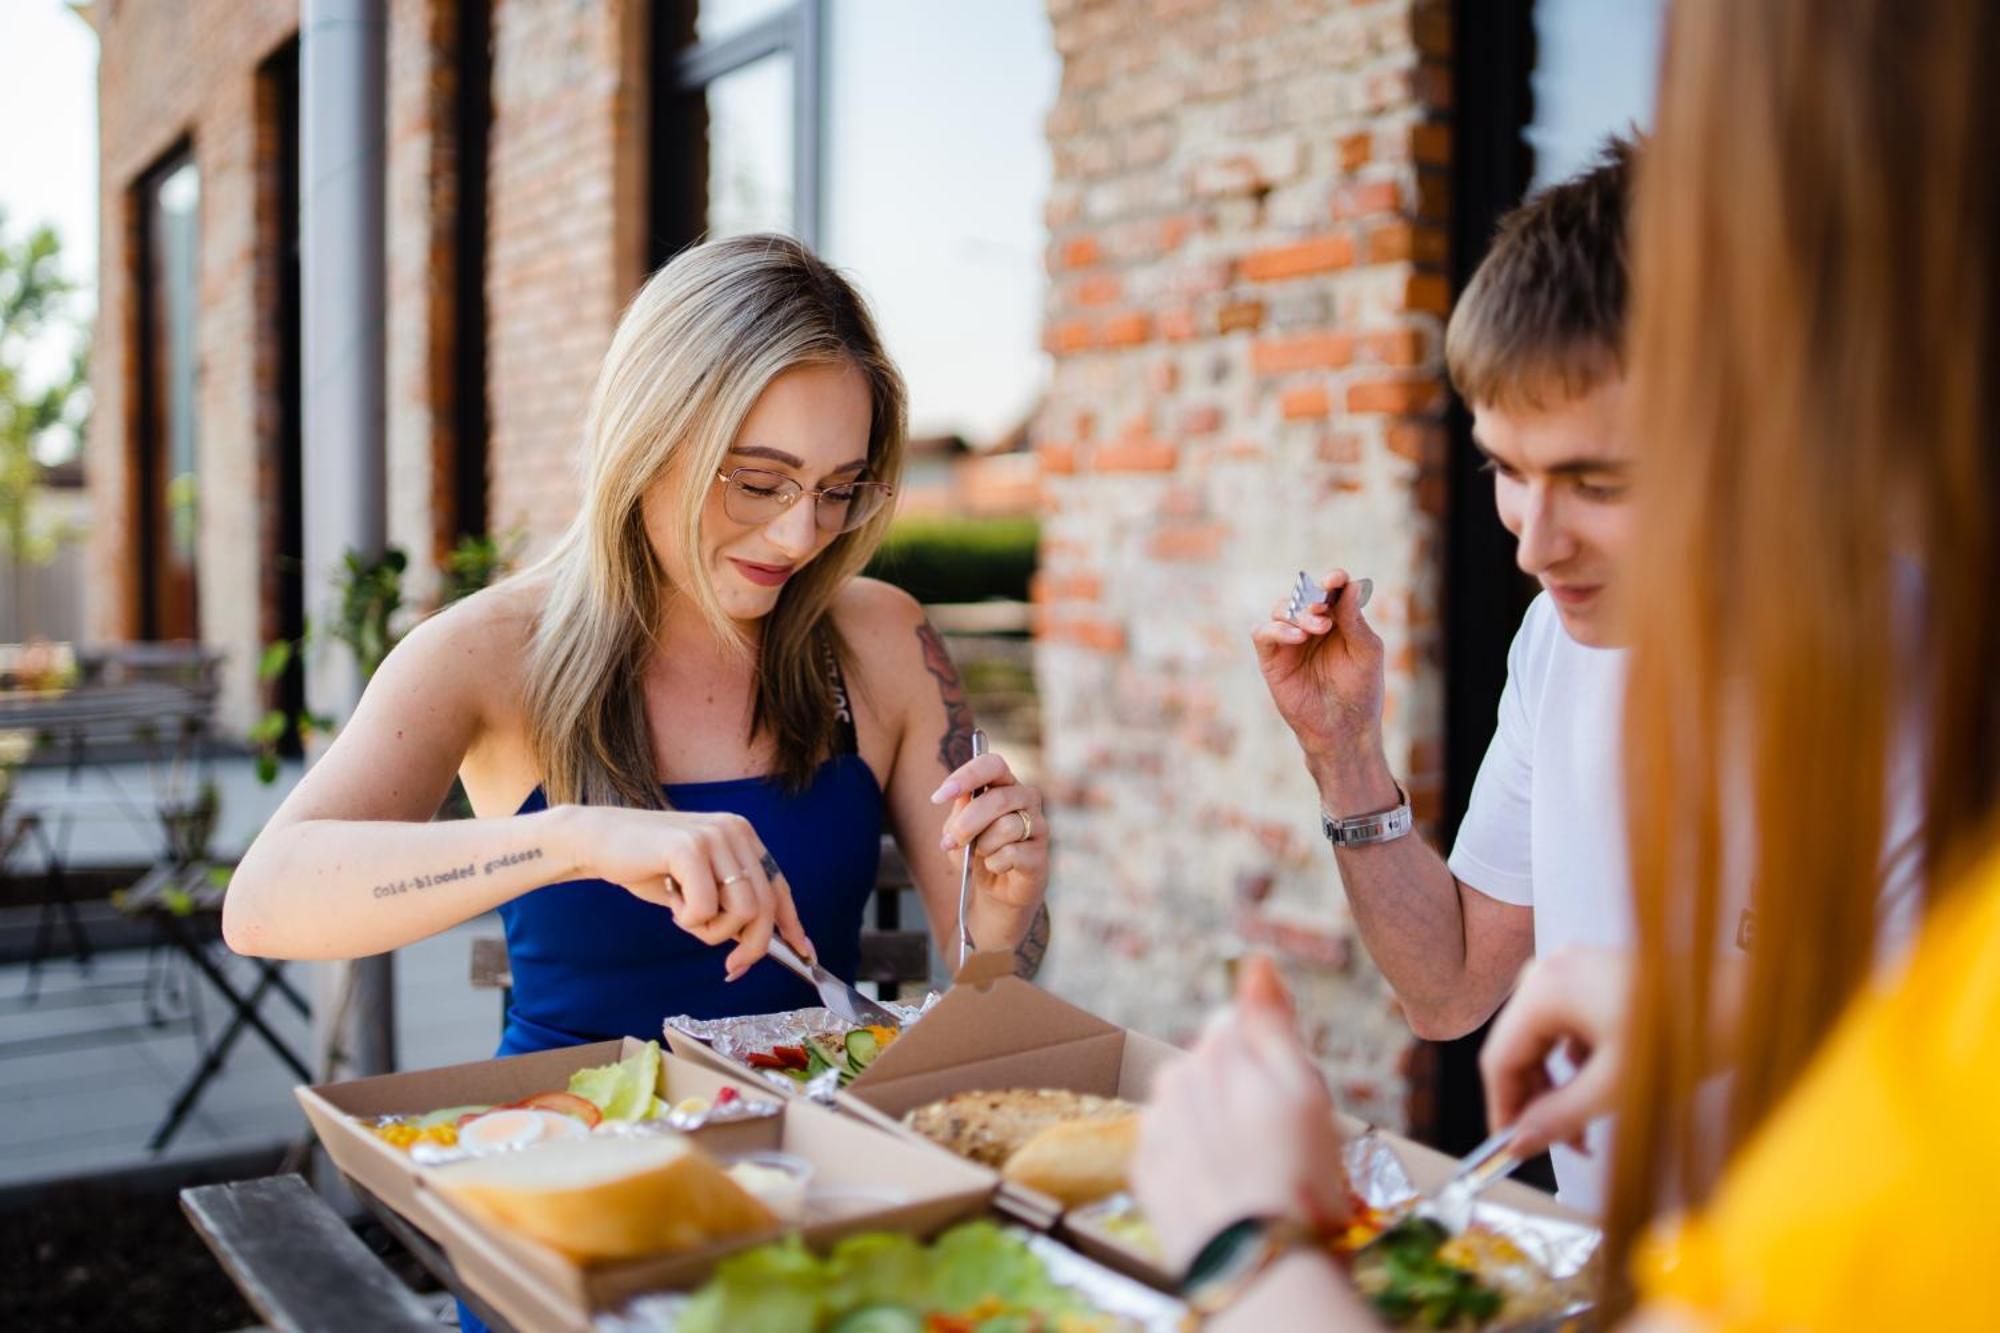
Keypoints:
(1814, 359)
(687, 727)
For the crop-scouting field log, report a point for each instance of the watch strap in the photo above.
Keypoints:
(1236, 1256)
(1364, 830)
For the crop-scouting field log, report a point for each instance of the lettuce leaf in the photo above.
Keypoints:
(623, 1091)
(882, 1282)
(772, 1286)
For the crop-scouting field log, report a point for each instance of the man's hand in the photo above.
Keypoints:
(1324, 671)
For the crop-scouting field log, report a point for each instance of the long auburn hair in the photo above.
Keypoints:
(1815, 373)
(690, 357)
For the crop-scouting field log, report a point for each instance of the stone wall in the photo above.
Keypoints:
(1246, 246)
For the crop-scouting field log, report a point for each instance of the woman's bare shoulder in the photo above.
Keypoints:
(882, 624)
(479, 642)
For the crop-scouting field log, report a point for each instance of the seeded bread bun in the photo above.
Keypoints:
(607, 1198)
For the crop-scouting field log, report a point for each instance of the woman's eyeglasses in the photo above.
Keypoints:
(755, 496)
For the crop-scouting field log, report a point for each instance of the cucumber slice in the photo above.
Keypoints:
(862, 1048)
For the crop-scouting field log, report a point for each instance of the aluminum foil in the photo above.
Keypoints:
(738, 1038)
(1137, 1307)
(1561, 1250)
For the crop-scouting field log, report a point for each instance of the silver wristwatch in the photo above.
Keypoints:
(1366, 830)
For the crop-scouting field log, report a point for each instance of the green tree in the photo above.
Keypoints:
(35, 309)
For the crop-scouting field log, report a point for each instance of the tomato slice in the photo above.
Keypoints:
(726, 1096)
(792, 1057)
(567, 1103)
(764, 1060)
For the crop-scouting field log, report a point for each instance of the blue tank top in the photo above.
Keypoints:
(593, 963)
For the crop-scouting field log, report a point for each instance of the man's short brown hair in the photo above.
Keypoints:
(1543, 319)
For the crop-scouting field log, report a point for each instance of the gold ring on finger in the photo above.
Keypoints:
(1027, 825)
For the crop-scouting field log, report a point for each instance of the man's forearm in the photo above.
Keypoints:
(1405, 903)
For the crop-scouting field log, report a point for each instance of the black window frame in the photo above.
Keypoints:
(683, 67)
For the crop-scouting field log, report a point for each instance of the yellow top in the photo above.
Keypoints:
(1872, 1200)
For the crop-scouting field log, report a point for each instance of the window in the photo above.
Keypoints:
(166, 473)
(1596, 69)
(902, 139)
(735, 121)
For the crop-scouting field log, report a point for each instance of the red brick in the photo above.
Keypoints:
(1322, 254)
(1400, 241)
(1399, 396)
(1428, 293)
(1431, 27)
(1202, 419)
(1430, 143)
(1072, 335)
(1105, 636)
(1126, 330)
(1342, 447)
(1080, 252)
(1188, 541)
(1366, 198)
(1178, 324)
(1045, 588)
(1056, 459)
(1434, 195)
(1240, 317)
(1418, 441)
(1304, 404)
(1312, 351)
(1174, 231)
(1397, 347)
(1144, 454)
(1356, 150)
(1099, 289)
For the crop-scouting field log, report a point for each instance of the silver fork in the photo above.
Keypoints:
(965, 944)
(1451, 1206)
(839, 997)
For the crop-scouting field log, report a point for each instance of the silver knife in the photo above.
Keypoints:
(839, 997)
(965, 944)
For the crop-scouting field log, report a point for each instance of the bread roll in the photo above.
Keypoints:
(607, 1198)
(990, 1127)
(1077, 1162)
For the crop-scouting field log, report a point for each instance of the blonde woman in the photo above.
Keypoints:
(688, 726)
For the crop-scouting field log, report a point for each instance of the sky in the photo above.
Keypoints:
(48, 140)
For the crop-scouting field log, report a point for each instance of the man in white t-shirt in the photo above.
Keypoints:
(1534, 347)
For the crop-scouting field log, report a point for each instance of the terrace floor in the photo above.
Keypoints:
(86, 1073)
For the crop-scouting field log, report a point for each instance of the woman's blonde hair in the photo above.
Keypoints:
(700, 342)
(1816, 371)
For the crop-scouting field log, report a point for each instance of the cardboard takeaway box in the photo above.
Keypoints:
(390, 1175)
(990, 1031)
(538, 1288)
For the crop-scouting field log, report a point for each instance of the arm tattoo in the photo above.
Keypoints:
(955, 749)
(1028, 953)
(452, 874)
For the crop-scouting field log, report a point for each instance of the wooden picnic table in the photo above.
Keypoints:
(304, 1270)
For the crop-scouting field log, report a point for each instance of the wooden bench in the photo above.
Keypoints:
(297, 1263)
(892, 957)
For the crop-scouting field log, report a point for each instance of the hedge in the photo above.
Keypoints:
(943, 559)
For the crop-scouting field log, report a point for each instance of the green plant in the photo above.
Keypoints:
(368, 596)
(35, 310)
(938, 559)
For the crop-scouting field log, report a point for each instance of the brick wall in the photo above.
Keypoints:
(1246, 251)
(566, 239)
(175, 71)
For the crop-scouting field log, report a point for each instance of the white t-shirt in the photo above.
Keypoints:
(1546, 824)
(1546, 829)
